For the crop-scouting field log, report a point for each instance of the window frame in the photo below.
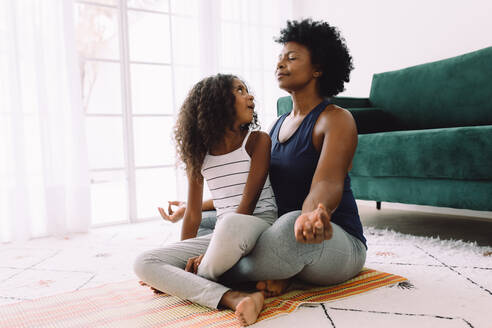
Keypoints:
(130, 168)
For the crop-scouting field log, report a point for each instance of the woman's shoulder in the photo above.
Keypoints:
(334, 115)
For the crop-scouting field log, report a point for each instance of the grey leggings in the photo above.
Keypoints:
(277, 255)
(234, 237)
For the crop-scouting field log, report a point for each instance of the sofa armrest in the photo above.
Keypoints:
(351, 102)
(372, 120)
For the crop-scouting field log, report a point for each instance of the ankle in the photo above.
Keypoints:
(231, 299)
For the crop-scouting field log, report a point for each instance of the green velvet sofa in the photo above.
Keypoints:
(425, 134)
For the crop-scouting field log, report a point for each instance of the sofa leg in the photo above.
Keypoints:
(378, 205)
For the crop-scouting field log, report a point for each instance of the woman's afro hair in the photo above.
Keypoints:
(328, 51)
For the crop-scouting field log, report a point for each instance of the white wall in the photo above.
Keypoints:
(386, 35)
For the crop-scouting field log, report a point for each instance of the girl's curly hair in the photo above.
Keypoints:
(207, 112)
(328, 52)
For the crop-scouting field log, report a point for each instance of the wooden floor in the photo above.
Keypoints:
(419, 223)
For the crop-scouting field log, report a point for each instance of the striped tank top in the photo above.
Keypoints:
(226, 177)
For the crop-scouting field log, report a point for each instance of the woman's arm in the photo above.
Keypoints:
(193, 213)
(258, 147)
(335, 135)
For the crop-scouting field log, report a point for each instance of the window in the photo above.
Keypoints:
(138, 60)
(127, 73)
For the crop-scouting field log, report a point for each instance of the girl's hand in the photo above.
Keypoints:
(173, 216)
(313, 227)
(193, 263)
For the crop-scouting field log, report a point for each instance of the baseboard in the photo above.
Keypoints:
(485, 215)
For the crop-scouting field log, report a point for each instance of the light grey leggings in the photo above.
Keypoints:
(277, 255)
(234, 236)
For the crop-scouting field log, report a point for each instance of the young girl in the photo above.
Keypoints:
(217, 142)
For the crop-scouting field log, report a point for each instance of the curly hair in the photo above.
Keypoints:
(207, 112)
(328, 51)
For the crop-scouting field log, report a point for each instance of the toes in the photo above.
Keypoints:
(241, 319)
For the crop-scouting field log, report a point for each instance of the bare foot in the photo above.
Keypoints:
(272, 288)
(247, 305)
(249, 308)
(156, 291)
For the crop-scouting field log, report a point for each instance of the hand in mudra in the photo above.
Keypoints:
(173, 216)
(193, 263)
(313, 227)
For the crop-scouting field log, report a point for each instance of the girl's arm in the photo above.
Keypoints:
(193, 213)
(208, 205)
(258, 147)
(336, 134)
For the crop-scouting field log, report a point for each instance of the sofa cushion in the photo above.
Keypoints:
(462, 153)
(446, 93)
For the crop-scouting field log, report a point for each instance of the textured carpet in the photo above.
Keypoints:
(127, 304)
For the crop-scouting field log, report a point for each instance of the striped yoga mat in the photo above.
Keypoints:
(127, 304)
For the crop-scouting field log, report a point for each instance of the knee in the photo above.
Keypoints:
(286, 222)
(142, 263)
(283, 229)
(280, 238)
(229, 225)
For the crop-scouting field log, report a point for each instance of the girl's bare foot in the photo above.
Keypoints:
(247, 306)
(156, 291)
(248, 310)
(272, 288)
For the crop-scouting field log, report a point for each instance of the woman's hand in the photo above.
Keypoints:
(193, 263)
(173, 216)
(313, 227)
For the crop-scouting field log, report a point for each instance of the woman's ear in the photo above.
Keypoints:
(317, 74)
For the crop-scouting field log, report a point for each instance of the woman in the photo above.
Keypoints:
(318, 236)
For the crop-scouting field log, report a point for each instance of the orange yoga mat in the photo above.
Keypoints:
(127, 304)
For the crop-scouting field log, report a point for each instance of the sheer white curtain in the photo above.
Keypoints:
(44, 184)
(237, 37)
(46, 141)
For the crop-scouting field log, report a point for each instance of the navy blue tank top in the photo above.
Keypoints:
(292, 167)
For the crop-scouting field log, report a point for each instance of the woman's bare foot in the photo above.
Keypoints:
(247, 306)
(272, 288)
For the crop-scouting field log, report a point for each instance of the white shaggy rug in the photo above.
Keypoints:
(452, 287)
